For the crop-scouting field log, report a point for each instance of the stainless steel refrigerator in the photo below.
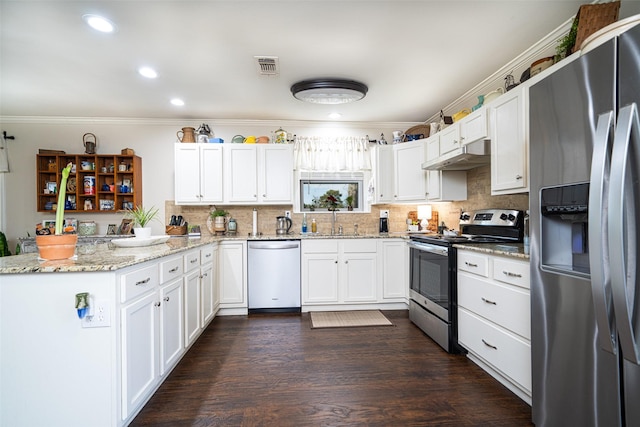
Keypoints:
(585, 202)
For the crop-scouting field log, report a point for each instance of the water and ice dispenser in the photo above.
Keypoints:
(564, 229)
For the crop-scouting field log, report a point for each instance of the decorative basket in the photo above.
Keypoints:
(593, 17)
(127, 152)
(419, 129)
(176, 230)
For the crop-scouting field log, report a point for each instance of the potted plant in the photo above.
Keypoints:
(59, 245)
(349, 201)
(219, 218)
(141, 218)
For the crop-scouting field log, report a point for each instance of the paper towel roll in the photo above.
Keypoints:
(254, 230)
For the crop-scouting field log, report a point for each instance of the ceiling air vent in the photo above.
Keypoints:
(267, 65)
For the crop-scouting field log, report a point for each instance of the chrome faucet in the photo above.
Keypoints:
(333, 222)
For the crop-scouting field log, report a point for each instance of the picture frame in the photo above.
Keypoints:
(125, 226)
(49, 223)
(111, 230)
(51, 187)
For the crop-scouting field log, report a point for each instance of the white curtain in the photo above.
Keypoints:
(332, 154)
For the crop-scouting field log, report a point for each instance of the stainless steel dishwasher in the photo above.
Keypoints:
(274, 276)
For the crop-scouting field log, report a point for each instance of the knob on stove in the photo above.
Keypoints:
(464, 217)
(503, 216)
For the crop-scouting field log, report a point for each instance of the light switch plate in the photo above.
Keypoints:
(384, 213)
(287, 214)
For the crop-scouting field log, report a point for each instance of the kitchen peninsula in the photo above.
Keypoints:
(150, 304)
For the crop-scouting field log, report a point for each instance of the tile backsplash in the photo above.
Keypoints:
(478, 197)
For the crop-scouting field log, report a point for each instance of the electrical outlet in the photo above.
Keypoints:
(287, 214)
(384, 213)
(101, 316)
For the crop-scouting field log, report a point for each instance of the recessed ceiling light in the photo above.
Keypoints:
(335, 115)
(177, 102)
(99, 23)
(148, 72)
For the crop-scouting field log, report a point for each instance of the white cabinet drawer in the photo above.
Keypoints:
(505, 352)
(513, 272)
(191, 260)
(320, 246)
(170, 269)
(507, 306)
(206, 255)
(138, 282)
(359, 245)
(473, 263)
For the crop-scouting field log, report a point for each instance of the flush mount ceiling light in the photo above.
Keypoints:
(99, 23)
(329, 91)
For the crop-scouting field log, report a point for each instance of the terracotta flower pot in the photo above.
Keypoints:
(56, 246)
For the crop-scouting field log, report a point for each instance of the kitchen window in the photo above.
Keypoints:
(331, 191)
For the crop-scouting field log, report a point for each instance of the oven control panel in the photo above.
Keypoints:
(495, 217)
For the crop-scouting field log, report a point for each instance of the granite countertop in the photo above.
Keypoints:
(515, 250)
(108, 257)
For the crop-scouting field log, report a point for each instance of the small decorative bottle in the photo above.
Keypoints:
(314, 226)
(304, 223)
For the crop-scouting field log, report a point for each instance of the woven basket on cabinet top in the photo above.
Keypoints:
(592, 17)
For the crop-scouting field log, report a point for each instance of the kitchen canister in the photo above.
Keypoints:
(87, 228)
(89, 185)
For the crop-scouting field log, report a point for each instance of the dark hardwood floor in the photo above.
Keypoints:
(274, 370)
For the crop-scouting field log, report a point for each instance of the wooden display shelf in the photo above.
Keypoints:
(107, 173)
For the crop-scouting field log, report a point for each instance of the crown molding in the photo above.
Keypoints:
(118, 121)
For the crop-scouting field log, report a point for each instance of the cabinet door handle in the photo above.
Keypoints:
(166, 298)
(489, 345)
(264, 195)
(488, 301)
(207, 256)
(470, 264)
(346, 262)
(143, 282)
(203, 276)
(510, 274)
(157, 304)
(174, 269)
(194, 260)
(518, 176)
(336, 261)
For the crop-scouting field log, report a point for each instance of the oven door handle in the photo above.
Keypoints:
(438, 250)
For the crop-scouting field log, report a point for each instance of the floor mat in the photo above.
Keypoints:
(346, 319)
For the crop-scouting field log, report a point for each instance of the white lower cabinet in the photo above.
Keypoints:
(208, 289)
(394, 254)
(232, 277)
(339, 271)
(140, 340)
(140, 351)
(494, 317)
(161, 316)
(171, 325)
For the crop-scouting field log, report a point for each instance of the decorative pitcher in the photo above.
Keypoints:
(188, 135)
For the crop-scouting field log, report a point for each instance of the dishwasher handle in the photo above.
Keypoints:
(274, 245)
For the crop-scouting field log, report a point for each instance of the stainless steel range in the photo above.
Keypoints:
(433, 270)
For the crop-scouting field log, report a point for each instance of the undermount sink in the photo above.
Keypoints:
(507, 248)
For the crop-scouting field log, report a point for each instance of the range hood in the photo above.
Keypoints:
(464, 158)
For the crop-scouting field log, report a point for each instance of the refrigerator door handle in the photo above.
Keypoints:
(622, 228)
(598, 248)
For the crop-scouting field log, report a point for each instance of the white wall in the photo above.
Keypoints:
(151, 139)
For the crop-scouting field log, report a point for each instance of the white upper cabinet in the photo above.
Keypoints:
(258, 174)
(241, 173)
(384, 174)
(509, 143)
(474, 127)
(198, 174)
(275, 168)
(410, 179)
(449, 138)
